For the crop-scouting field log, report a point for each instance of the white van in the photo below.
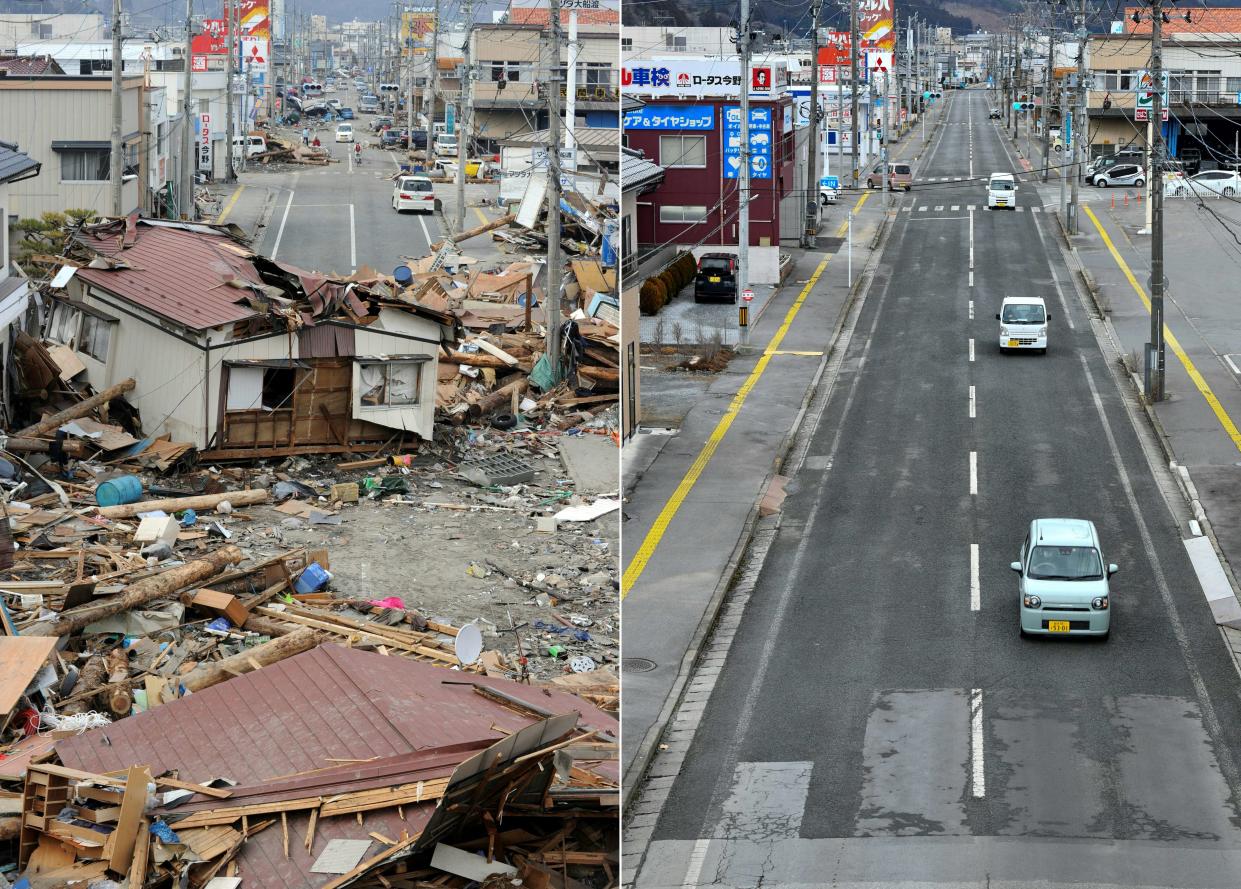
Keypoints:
(446, 145)
(1002, 191)
(1023, 323)
(254, 145)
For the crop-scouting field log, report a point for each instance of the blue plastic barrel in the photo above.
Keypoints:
(119, 491)
(312, 579)
(403, 274)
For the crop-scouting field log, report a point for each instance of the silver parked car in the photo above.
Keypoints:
(1063, 590)
(1120, 174)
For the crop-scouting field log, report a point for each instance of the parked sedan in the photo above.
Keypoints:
(1210, 183)
(1119, 175)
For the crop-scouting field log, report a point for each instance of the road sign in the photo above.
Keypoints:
(747, 295)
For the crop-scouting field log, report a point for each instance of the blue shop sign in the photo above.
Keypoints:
(671, 117)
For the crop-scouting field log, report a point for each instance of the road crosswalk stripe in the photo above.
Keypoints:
(939, 207)
(955, 207)
(923, 208)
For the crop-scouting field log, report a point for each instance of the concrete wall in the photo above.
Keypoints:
(38, 111)
(764, 262)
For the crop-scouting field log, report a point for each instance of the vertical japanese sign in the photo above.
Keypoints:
(417, 31)
(204, 141)
(760, 142)
(255, 32)
(875, 25)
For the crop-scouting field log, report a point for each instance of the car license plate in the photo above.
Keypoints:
(1012, 344)
(714, 279)
(1058, 626)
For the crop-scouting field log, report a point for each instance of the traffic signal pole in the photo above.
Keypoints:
(1155, 355)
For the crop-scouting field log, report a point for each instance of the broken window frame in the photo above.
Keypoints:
(94, 336)
(366, 368)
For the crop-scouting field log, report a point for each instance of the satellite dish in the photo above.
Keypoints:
(469, 644)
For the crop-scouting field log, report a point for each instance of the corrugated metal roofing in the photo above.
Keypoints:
(177, 274)
(636, 172)
(14, 164)
(294, 716)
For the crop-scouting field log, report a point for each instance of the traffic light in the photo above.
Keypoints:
(1023, 106)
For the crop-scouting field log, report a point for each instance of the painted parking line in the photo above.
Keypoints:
(1200, 383)
(228, 208)
(673, 505)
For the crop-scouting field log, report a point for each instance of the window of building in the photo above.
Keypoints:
(41, 31)
(84, 165)
(63, 327)
(95, 337)
(626, 44)
(161, 134)
(674, 41)
(204, 106)
(683, 151)
(390, 383)
(278, 383)
(509, 71)
(1233, 84)
(690, 215)
(597, 74)
(170, 64)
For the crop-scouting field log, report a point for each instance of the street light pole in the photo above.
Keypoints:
(116, 160)
(812, 178)
(1155, 356)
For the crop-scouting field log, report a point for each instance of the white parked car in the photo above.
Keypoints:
(1209, 183)
(1121, 174)
(1002, 191)
(415, 193)
(344, 132)
(1023, 323)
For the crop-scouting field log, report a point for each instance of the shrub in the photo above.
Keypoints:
(649, 300)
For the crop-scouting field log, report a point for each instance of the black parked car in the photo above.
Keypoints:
(716, 278)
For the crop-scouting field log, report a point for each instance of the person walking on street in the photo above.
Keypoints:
(316, 143)
(357, 151)
(305, 135)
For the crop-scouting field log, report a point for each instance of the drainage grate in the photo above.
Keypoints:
(502, 469)
(637, 665)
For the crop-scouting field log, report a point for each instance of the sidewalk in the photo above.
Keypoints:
(695, 494)
(1198, 420)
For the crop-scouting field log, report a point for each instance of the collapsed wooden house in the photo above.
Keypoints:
(239, 354)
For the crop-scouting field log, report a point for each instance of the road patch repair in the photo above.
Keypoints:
(308, 580)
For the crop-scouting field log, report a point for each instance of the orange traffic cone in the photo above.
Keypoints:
(1113, 202)
(1126, 199)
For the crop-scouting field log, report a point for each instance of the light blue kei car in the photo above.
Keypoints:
(1063, 589)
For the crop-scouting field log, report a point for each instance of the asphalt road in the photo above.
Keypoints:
(870, 726)
(340, 218)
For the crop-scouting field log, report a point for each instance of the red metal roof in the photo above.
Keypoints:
(176, 273)
(1205, 22)
(295, 716)
(26, 66)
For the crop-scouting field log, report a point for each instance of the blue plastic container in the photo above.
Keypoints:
(313, 579)
(119, 491)
(403, 274)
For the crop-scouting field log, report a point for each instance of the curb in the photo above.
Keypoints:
(631, 780)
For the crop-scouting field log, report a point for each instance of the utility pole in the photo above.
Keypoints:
(1016, 77)
(463, 130)
(1046, 115)
(185, 200)
(1079, 113)
(553, 308)
(812, 178)
(230, 174)
(432, 84)
(840, 127)
(407, 53)
(1064, 168)
(1155, 355)
(853, 49)
(116, 165)
(743, 191)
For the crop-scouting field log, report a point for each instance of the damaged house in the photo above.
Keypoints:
(240, 355)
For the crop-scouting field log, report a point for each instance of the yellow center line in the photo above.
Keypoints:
(844, 226)
(789, 352)
(229, 206)
(482, 217)
(643, 555)
(1220, 414)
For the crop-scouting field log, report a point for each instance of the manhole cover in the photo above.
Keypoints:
(637, 665)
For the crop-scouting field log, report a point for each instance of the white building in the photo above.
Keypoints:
(16, 28)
